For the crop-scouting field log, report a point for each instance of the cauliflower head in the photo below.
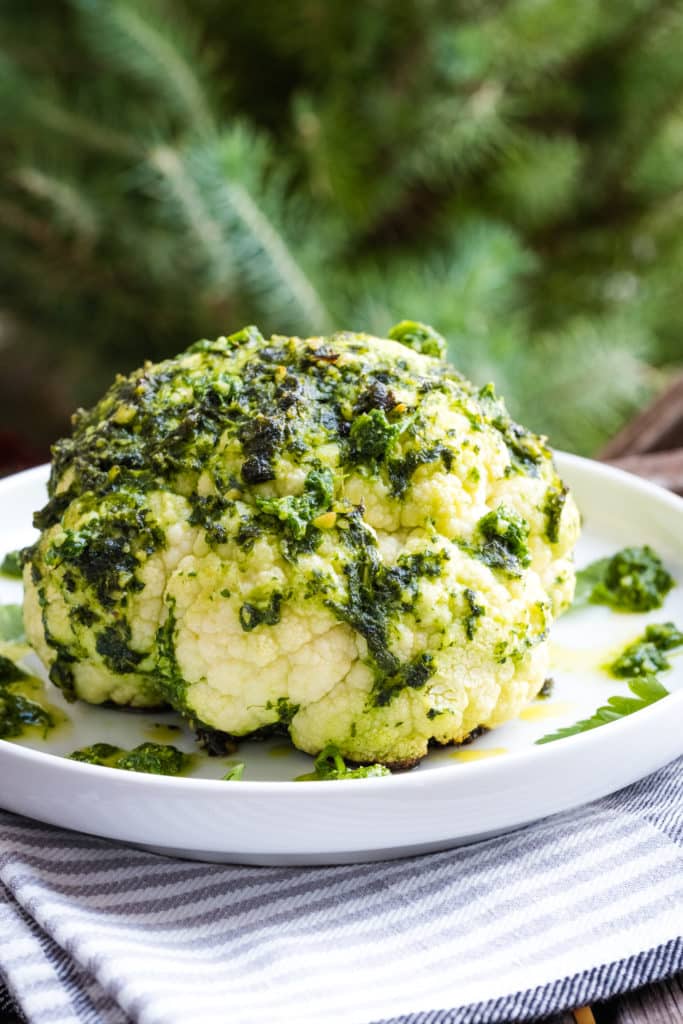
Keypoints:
(340, 536)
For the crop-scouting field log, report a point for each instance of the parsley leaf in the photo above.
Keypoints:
(647, 690)
(586, 581)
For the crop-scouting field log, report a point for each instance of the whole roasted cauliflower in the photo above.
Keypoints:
(340, 535)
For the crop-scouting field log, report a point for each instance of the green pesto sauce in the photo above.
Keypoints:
(277, 397)
(370, 437)
(632, 580)
(294, 514)
(400, 471)
(285, 709)
(504, 541)
(527, 450)
(167, 662)
(149, 758)
(268, 614)
(646, 654)
(113, 645)
(25, 711)
(476, 612)
(553, 507)
(106, 551)
(330, 765)
(376, 592)
(547, 689)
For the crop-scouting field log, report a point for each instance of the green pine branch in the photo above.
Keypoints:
(222, 196)
(160, 47)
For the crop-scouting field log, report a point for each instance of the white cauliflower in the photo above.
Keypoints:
(337, 536)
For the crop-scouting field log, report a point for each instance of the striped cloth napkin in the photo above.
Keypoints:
(576, 908)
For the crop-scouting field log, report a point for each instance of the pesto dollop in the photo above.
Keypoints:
(329, 765)
(504, 544)
(149, 758)
(23, 708)
(645, 655)
(632, 580)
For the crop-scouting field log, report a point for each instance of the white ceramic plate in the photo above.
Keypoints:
(500, 782)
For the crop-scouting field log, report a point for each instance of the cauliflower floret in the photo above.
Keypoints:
(339, 536)
(98, 638)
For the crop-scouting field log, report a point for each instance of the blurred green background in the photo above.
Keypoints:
(510, 172)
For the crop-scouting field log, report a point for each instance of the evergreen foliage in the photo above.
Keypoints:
(510, 172)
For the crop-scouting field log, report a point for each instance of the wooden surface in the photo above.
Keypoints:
(663, 468)
(651, 445)
(657, 428)
(654, 1004)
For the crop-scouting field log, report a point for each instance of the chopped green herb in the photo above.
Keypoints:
(235, 773)
(555, 501)
(476, 611)
(252, 615)
(647, 689)
(10, 671)
(261, 438)
(113, 644)
(505, 545)
(18, 710)
(296, 512)
(401, 471)
(11, 565)
(371, 437)
(526, 450)
(154, 759)
(98, 753)
(207, 512)
(633, 580)
(375, 593)
(646, 654)
(285, 708)
(376, 396)
(330, 765)
(413, 674)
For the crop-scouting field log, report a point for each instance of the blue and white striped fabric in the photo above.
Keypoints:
(576, 908)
